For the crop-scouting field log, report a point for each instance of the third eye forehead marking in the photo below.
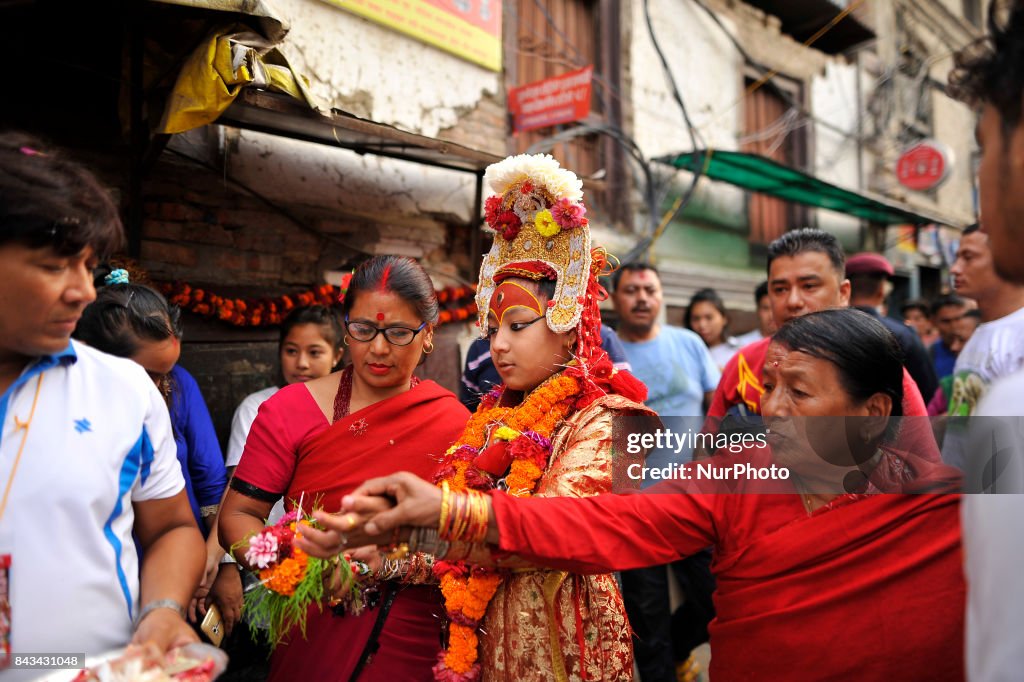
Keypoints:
(380, 316)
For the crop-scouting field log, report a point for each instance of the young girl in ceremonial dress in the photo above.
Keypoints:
(546, 432)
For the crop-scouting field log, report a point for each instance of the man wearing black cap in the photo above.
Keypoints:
(868, 274)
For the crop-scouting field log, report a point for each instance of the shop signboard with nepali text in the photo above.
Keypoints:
(924, 166)
(470, 29)
(560, 99)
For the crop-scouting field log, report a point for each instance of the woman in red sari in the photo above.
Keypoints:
(318, 440)
(814, 582)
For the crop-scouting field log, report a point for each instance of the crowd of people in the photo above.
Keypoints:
(498, 539)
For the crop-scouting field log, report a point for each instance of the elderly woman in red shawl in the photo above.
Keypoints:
(318, 440)
(840, 573)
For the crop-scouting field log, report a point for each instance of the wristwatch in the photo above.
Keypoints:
(159, 604)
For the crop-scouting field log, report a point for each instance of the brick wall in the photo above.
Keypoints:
(201, 230)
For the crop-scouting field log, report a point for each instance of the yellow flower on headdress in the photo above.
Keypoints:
(545, 224)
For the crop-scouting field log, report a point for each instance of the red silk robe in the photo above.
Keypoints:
(868, 588)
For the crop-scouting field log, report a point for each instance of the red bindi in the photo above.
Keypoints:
(380, 316)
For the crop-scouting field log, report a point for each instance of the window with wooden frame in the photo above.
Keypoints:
(775, 128)
(551, 37)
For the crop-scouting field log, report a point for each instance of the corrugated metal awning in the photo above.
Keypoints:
(280, 115)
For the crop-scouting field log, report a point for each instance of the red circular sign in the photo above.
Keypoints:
(923, 166)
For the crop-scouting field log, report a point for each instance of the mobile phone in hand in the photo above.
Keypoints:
(213, 625)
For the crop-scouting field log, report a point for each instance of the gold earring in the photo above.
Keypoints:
(344, 340)
(426, 350)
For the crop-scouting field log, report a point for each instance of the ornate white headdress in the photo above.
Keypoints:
(541, 232)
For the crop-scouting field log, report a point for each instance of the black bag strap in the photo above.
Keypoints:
(373, 644)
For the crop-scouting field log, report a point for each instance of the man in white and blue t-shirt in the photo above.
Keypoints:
(995, 349)
(87, 457)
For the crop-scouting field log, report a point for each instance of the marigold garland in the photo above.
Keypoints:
(527, 429)
(263, 312)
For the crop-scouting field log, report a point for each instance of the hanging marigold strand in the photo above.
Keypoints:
(262, 312)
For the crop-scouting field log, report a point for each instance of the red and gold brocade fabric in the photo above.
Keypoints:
(552, 625)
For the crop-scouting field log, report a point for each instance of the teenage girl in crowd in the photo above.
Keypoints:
(706, 315)
(133, 321)
(310, 348)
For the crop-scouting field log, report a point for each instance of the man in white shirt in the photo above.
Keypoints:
(995, 349)
(87, 456)
(993, 79)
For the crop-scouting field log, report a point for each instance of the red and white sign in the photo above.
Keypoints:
(924, 166)
(560, 99)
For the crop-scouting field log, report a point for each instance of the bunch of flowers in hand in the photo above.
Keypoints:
(290, 579)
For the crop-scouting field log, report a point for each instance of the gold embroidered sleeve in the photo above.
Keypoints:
(581, 466)
(582, 462)
(483, 555)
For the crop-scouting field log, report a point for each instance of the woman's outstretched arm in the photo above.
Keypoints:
(583, 535)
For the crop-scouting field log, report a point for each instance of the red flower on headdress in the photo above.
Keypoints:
(492, 207)
(507, 224)
(569, 215)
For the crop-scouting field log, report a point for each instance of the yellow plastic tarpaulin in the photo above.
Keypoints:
(212, 76)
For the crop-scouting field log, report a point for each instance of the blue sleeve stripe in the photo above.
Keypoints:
(4, 400)
(147, 454)
(133, 461)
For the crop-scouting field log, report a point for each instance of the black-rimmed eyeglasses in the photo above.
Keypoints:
(396, 336)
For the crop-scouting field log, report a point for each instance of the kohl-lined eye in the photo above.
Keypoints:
(520, 326)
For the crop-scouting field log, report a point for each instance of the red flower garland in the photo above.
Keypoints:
(263, 312)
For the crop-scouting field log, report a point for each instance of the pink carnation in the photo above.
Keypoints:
(442, 673)
(262, 550)
(569, 215)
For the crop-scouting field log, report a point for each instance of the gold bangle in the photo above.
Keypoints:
(462, 517)
(446, 492)
(478, 529)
